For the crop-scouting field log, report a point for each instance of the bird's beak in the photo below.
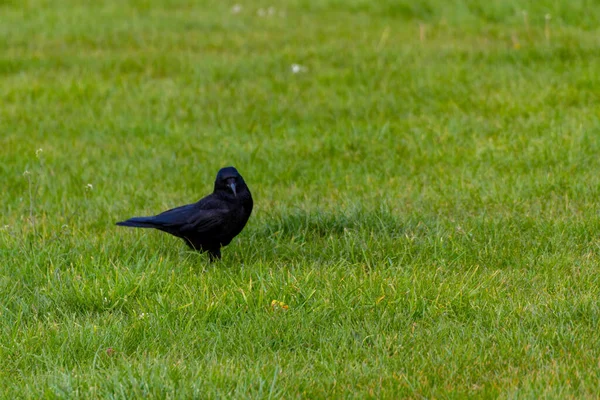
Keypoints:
(232, 186)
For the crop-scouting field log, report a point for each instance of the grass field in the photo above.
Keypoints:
(426, 198)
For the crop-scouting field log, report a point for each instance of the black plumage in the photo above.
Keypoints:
(210, 223)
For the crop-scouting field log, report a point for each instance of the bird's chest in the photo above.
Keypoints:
(238, 218)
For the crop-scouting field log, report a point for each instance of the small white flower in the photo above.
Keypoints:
(26, 173)
(297, 68)
(38, 152)
(236, 9)
(89, 186)
(142, 315)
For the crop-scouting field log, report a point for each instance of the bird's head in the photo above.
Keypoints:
(230, 182)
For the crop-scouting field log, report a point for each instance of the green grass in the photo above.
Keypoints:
(426, 198)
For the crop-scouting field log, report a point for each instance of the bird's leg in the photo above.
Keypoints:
(214, 254)
(189, 243)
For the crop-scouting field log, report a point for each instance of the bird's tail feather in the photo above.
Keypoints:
(139, 222)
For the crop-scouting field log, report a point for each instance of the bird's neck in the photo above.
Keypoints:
(241, 198)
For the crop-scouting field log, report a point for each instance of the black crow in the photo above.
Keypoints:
(210, 223)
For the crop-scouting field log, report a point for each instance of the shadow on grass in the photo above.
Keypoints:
(324, 237)
(326, 224)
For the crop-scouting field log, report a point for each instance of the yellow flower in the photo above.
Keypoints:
(276, 304)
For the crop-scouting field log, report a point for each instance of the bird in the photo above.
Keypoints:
(210, 223)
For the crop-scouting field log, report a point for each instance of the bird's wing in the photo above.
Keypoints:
(191, 217)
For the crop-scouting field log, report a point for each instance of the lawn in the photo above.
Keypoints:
(426, 184)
